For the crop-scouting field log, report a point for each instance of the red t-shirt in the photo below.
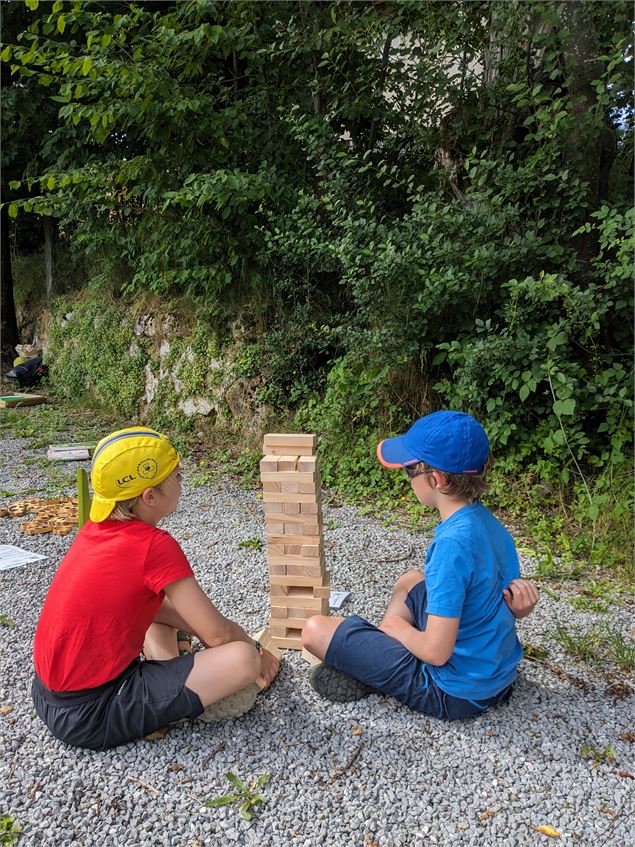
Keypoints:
(104, 596)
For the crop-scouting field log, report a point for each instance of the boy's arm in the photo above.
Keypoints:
(434, 645)
(521, 597)
(203, 618)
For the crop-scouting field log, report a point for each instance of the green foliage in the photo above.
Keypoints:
(250, 544)
(5, 620)
(246, 795)
(412, 205)
(607, 755)
(91, 352)
(9, 830)
(599, 645)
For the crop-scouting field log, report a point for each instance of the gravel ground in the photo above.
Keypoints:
(366, 774)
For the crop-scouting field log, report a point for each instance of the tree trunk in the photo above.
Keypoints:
(48, 255)
(9, 335)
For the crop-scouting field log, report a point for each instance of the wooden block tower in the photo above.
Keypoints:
(295, 549)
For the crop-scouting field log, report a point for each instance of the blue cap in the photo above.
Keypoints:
(450, 441)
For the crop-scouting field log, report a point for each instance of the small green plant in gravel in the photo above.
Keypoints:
(246, 795)
(581, 645)
(10, 830)
(607, 755)
(251, 544)
(622, 650)
(5, 620)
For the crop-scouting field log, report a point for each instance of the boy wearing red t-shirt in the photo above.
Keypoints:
(124, 587)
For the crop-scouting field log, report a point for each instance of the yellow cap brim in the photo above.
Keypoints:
(100, 509)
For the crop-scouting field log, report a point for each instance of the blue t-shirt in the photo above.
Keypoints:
(470, 561)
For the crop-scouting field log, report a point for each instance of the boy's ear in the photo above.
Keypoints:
(148, 496)
(440, 480)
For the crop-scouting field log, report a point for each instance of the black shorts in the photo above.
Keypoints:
(148, 695)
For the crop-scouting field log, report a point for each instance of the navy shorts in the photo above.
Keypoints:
(361, 650)
(148, 695)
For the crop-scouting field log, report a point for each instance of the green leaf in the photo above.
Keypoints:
(106, 39)
(61, 24)
(524, 392)
(564, 407)
(50, 183)
(14, 184)
(6, 54)
(87, 65)
(223, 801)
(57, 6)
(32, 4)
(13, 210)
(235, 781)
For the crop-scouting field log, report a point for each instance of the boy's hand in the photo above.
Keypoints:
(270, 668)
(521, 596)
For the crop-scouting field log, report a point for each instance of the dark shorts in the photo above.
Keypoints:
(360, 649)
(148, 695)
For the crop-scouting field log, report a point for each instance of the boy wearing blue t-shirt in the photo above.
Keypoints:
(447, 644)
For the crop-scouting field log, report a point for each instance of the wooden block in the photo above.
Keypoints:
(299, 451)
(309, 508)
(284, 612)
(305, 600)
(310, 550)
(289, 476)
(280, 592)
(288, 643)
(268, 464)
(322, 591)
(304, 570)
(307, 464)
(274, 508)
(271, 486)
(264, 636)
(288, 498)
(62, 530)
(280, 631)
(275, 549)
(308, 488)
(287, 464)
(298, 538)
(292, 549)
(314, 582)
(291, 529)
(277, 569)
(292, 508)
(289, 488)
(310, 658)
(277, 516)
(278, 528)
(288, 439)
(289, 623)
(295, 560)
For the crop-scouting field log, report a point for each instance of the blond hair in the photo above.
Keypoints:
(124, 509)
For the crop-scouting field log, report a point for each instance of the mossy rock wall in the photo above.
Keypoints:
(166, 368)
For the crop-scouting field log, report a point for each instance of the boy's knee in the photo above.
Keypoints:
(311, 632)
(407, 580)
(247, 660)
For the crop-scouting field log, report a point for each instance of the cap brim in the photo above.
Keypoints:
(100, 509)
(393, 453)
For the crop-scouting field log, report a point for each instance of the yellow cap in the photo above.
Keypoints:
(125, 463)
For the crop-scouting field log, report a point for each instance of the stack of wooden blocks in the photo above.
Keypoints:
(295, 550)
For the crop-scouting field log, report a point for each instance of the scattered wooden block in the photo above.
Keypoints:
(310, 658)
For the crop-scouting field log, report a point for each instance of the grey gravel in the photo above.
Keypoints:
(405, 781)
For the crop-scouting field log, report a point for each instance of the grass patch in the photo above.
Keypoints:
(598, 646)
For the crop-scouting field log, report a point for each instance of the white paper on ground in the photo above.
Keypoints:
(338, 598)
(15, 557)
